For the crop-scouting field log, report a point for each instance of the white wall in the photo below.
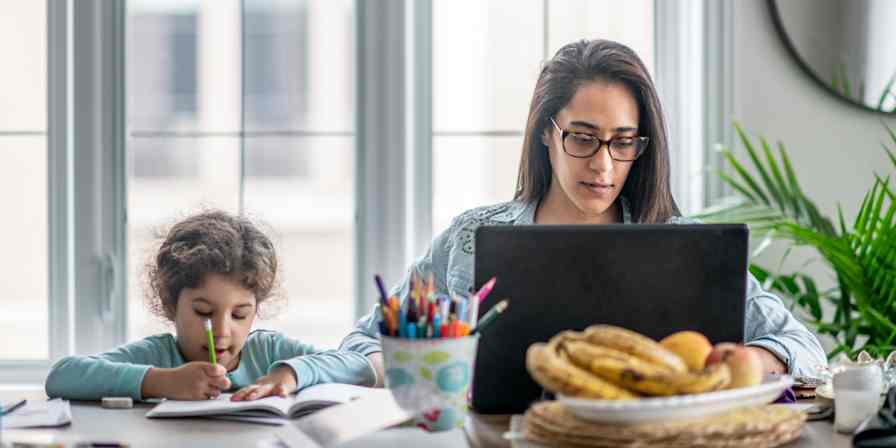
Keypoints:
(834, 147)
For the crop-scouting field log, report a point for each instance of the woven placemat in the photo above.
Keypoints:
(763, 426)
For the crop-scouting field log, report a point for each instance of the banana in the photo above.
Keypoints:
(635, 344)
(557, 374)
(565, 336)
(609, 363)
(632, 373)
(712, 378)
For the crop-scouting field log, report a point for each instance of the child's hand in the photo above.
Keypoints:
(279, 381)
(192, 381)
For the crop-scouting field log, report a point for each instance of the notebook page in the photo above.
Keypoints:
(328, 427)
(220, 405)
(323, 394)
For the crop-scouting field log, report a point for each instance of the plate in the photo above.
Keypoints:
(825, 391)
(679, 407)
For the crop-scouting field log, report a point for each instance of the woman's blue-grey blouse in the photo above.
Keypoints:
(769, 324)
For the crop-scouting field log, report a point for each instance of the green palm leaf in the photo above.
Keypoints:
(862, 256)
(886, 92)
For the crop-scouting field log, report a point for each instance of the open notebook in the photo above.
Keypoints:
(269, 410)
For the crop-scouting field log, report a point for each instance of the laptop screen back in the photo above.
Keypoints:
(654, 279)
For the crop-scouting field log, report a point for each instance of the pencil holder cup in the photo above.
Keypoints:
(431, 378)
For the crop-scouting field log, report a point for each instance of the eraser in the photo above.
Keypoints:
(118, 402)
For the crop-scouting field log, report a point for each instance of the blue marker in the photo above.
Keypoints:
(412, 330)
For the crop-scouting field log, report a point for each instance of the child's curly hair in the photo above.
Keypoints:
(212, 241)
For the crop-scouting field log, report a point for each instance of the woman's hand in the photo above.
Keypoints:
(192, 381)
(280, 381)
(770, 362)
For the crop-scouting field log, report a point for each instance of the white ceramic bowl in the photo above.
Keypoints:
(680, 407)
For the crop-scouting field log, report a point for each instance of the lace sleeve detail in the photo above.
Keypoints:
(469, 221)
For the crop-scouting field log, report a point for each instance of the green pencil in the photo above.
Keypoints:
(491, 315)
(211, 342)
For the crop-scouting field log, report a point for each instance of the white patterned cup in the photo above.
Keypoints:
(431, 378)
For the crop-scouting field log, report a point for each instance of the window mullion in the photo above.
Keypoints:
(380, 153)
(694, 54)
(419, 116)
(59, 158)
(679, 79)
(242, 103)
(99, 162)
(718, 44)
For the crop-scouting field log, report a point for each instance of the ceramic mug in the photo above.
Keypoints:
(431, 378)
(857, 389)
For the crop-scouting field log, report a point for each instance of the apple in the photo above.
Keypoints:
(745, 365)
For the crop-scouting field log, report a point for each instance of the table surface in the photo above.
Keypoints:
(91, 422)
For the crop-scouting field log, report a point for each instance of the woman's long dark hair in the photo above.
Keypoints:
(647, 186)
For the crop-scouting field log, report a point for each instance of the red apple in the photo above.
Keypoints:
(745, 365)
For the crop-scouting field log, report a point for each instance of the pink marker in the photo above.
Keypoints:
(486, 289)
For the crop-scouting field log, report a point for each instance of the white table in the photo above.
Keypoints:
(90, 421)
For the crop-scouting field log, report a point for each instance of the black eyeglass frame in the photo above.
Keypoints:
(642, 140)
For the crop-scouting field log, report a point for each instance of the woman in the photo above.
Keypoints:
(595, 152)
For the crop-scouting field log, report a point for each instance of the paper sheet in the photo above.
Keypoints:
(39, 414)
(338, 424)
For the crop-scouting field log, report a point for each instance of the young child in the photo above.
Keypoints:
(218, 267)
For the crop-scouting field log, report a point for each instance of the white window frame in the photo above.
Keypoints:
(86, 228)
(58, 205)
(98, 136)
(380, 146)
(694, 77)
(718, 97)
(393, 148)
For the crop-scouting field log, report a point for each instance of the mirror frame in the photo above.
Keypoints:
(795, 55)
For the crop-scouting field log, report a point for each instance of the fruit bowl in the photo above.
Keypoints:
(680, 407)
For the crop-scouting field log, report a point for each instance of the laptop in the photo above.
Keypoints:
(654, 279)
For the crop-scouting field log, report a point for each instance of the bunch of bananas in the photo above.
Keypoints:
(613, 363)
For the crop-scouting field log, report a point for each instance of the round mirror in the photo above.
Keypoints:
(849, 46)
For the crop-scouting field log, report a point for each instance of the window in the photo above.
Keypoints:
(486, 59)
(247, 106)
(166, 42)
(23, 146)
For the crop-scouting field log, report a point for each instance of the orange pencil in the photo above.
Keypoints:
(390, 320)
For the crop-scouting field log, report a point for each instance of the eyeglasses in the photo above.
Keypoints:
(582, 146)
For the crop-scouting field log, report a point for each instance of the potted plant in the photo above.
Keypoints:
(861, 253)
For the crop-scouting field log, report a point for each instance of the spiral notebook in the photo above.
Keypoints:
(268, 410)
